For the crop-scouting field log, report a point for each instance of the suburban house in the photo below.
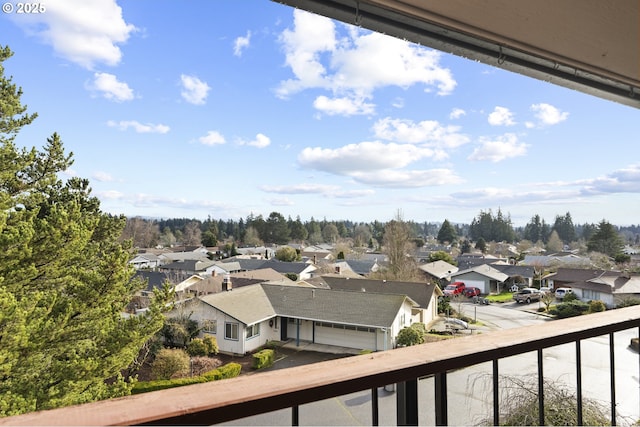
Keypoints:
(546, 261)
(256, 252)
(610, 287)
(302, 270)
(440, 271)
(190, 266)
(317, 253)
(244, 319)
(485, 277)
(358, 266)
(424, 294)
(146, 261)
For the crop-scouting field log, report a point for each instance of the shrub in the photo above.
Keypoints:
(212, 344)
(571, 309)
(197, 347)
(444, 305)
(627, 302)
(229, 370)
(596, 306)
(263, 358)
(409, 336)
(170, 363)
(200, 365)
(570, 296)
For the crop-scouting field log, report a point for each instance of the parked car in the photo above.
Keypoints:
(471, 292)
(527, 295)
(453, 289)
(546, 290)
(562, 292)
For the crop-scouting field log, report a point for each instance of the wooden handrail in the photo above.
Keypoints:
(220, 401)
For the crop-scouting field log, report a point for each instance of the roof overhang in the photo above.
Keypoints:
(592, 46)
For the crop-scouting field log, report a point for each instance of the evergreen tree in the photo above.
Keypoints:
(536, 230)
(447, 233)
(298, 231)
(64, 279)
(606, 240)
(276, 229)
(565, 228)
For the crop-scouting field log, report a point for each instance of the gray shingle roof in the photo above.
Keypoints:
(354, 308)
(419, 292)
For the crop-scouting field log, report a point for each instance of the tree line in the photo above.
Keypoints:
(256, 230)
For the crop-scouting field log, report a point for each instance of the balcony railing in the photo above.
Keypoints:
(237, 398)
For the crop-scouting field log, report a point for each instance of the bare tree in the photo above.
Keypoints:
(192, 235)
(143, 233)
(399, 248)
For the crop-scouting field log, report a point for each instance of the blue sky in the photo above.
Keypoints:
(225, 108)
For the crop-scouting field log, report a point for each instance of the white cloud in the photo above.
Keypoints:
(332, 191)
(282, 201)
(500, 148)
(548, 114)
(428, 132)
(364, 156)
(456, 113)
(212, 138)
(86, 33)
(501, 116)
(407, 178)
(102, 176)
(110, 194)
(356, 64)
(343, 106)
(261, 141)
(139, 127)
(241, 43)
(626, 180)
(194, 90)
(110, 88)
(299, 188)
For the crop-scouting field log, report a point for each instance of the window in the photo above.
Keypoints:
(231, 331)
(253, 330)
(210, 326)
(590, 295)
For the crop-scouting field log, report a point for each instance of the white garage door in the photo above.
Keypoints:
(345, 336)
(480, 284)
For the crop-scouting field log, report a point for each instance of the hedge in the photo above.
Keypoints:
(263, 358)
(229, 370)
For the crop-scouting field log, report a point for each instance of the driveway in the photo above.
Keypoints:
(289, 354)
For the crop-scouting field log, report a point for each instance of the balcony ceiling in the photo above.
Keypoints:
(588, 45)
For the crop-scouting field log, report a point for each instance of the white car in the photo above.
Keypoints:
(562, 292)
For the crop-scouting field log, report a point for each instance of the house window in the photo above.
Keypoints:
(590, 295)
(253, 331)
(231, 331)
(210, 326)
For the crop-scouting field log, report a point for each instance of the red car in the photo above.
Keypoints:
(453, 289)
(471, 292)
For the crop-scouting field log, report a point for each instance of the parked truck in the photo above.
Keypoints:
(527, 295)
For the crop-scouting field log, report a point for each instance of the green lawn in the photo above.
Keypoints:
(503, 297)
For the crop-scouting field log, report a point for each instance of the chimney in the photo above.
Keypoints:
(226, 282)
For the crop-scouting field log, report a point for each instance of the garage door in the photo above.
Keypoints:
(480, 284)
(345, 336)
